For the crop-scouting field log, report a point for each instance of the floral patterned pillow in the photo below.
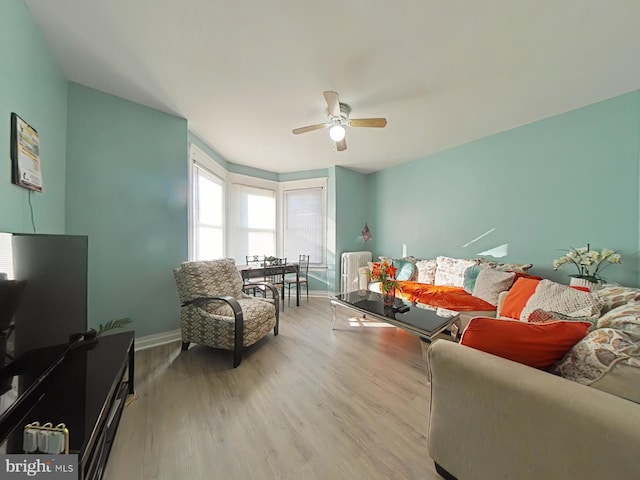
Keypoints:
(450, 271)
(506, 267)
(602, 352)
(611, 295)
(625, 317)
(426, 271)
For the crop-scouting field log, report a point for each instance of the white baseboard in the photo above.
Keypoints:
(156, 339)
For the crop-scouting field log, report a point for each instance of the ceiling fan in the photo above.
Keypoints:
(338, 119)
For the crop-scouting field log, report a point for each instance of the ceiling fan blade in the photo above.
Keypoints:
(368, 122)
(341, 145)
(310, 128)
(333, 103)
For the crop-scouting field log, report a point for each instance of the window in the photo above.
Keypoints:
(207, 209)
(254, 221)
(209, 214)
(235, 215)
(304, 220)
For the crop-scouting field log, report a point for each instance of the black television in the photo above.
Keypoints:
(43, 303)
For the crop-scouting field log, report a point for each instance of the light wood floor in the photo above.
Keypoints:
(311, 403)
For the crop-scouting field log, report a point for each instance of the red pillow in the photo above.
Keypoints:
(526, 275)
(518, 296)
(538, 345)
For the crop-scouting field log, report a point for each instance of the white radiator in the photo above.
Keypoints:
(351, 261)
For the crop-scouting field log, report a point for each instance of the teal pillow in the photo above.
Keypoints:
(470, 276)
(405, 270)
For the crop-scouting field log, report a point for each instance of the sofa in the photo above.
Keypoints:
(495, 418)
(451, 286)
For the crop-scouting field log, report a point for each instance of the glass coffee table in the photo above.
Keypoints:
(425, 323)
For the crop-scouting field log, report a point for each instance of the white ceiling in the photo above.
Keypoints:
(443, 72)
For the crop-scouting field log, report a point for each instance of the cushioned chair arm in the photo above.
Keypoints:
(239, 322)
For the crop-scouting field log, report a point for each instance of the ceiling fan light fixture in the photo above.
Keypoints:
(337, 133)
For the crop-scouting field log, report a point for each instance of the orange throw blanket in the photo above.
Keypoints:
(450, 298)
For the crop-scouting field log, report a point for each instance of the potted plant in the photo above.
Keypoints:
(385, 273)
(113, 324)
(589, 263)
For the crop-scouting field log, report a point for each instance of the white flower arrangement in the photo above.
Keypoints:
(589, 263)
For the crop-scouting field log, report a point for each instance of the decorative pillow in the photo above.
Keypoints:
(514, 267)
(540, 316)
(450, 271)
(601, 358)
(410, 258)
(538, 345)
(518, 297)
(490, 283)
(506, 267)
(611, 296)
(469, 277)
(404, 270)
(554, 297)
(426, 271)
(526, 275)
(625, 318)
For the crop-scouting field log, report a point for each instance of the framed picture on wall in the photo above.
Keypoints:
(25, 155)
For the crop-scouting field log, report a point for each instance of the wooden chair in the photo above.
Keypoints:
(274, 275)
(249, 284)
(302, 282)
(255, 260)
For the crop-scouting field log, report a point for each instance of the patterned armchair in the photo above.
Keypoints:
(216, 312)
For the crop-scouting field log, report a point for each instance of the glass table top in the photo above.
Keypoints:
(423, 320)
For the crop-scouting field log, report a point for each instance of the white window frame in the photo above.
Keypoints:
(204, 161)
(255, 182)
(312, 183)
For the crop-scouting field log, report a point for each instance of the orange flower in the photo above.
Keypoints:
(391, 271)
(384, 272)
(375, 271)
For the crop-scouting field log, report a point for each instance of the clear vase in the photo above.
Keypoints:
(389, 296)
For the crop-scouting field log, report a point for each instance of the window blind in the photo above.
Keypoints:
(304, 224)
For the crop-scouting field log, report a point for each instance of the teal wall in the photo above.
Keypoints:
(352, 212)
(560, 182)
(127, 190)
(31, 85)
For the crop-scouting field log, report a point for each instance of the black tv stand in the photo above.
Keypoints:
(86, 391)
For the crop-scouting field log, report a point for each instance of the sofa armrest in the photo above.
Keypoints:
(493, 418)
